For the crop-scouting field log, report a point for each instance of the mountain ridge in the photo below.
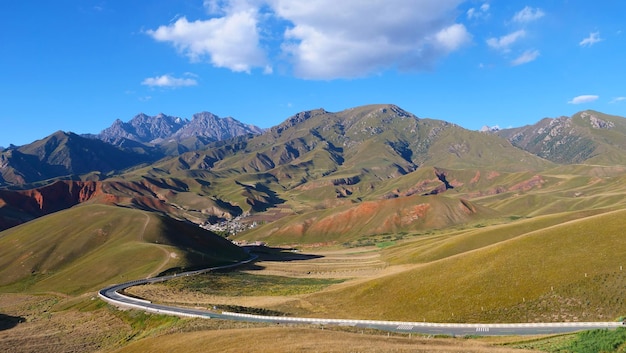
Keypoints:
(585, 137)
(162, 128)
(63, 154)
(313, 160)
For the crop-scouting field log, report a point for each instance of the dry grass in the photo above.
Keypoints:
(556, 269)
(426, 249)
(45, 328)
(295, 339)
(487, 284)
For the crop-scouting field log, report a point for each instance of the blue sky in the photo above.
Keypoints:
(77, 65)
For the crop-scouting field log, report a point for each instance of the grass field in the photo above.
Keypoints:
(86, 247)
(563, 267)
(576, 261)
(299, 339)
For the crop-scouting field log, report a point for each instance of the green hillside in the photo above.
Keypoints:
(87, 247)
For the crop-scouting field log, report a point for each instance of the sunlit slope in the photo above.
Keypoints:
(569, 271)
(87, 247)
(424, 249)
(303, 339)
(563, 189)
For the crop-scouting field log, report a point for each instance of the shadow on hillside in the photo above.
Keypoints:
(8, 321)
(279, 254)
(265, 253)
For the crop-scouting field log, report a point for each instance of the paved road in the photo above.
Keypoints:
(111, 294)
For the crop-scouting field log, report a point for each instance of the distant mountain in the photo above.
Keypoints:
(142, 128)
(214, 128)
(63, 154)
(586, 137)
(175, 135)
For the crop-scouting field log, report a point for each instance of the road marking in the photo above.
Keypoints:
(482, 329)
(404, 327)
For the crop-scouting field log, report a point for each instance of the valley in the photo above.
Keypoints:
(370, 213)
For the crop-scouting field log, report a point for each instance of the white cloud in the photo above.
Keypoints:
(231, 41)
(618, 99)
(481, 12)
(526, 57)
(528, 14)
(452, 38)
(359, 37)
(321, 39)
(593, 38)
(587, 98)
(503, 43)
(168, 81)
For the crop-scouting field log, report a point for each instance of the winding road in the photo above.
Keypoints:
(112, 295)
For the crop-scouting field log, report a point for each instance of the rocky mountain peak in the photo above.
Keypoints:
(209, 125)
(596, 122)
(487, 128)
(144, 128)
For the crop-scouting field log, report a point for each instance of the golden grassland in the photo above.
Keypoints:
(51, 323)
(564, 266)
(301, 339)
(507, 281)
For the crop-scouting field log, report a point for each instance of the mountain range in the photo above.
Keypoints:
(209, 169)
(173, 135)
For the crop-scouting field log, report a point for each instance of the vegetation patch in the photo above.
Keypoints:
(248, 310)
(385, 244)
(380, 241)
(599, 341)
(594, 341)
(552, 344)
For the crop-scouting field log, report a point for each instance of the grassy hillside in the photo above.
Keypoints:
(587, 137)
(89, 246)
(425, 249)
(567, 271)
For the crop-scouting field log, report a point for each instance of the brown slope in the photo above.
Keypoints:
(165, 196)
(351, 222)
(19, 206)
